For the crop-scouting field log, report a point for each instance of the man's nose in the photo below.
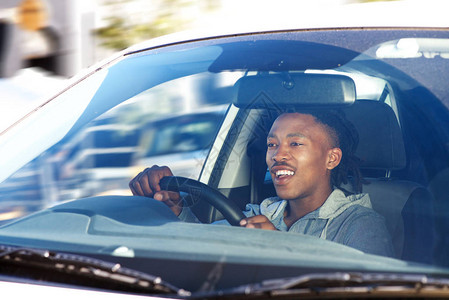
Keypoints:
(281, 154)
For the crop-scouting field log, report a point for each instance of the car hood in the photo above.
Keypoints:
(143, 233)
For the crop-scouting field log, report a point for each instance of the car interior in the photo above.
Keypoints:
(406, 205)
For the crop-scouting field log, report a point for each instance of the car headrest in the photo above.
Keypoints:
(381, 145)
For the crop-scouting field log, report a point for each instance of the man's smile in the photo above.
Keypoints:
(281, 173)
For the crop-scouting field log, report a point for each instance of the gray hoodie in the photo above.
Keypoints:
(347, 220)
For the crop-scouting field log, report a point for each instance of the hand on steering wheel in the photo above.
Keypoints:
(229, 209)
(159, 183)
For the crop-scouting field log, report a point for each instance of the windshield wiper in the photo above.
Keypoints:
(63, 267)
(341, 284)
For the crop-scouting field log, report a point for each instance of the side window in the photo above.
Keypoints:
(183, 134)
(153, 127)
(172, 124)
(181, 142)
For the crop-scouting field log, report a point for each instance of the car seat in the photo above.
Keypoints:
(405, 205)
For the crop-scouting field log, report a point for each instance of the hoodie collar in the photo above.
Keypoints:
(337, 202)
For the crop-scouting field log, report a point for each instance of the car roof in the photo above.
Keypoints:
(284, 15)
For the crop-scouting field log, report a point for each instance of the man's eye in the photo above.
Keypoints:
(295, 144)
(271, 145)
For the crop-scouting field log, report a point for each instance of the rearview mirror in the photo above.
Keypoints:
(294, 89)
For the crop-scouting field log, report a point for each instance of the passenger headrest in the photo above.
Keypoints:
(381, 145)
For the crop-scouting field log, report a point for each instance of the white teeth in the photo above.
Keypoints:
(285, 172)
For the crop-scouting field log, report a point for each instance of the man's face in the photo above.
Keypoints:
(300, 156)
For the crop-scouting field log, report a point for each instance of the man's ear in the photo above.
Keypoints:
(334, 158)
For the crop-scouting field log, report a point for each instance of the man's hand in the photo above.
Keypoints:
(259, 221)
(146, 184)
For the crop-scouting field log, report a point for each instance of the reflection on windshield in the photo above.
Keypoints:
(63, 111)
(101, 156)
(413, 48)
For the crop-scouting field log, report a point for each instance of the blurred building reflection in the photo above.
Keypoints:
(51, 34)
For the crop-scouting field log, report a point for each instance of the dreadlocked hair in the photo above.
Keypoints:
(343, 135)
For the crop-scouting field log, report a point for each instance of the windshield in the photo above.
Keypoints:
(75, 171)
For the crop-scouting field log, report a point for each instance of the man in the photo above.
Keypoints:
(309, 156)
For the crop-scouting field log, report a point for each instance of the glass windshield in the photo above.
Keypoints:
(214, 111)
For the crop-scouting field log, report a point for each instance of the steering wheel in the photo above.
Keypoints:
(229, 209)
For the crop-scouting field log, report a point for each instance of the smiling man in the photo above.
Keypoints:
(309, 155)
